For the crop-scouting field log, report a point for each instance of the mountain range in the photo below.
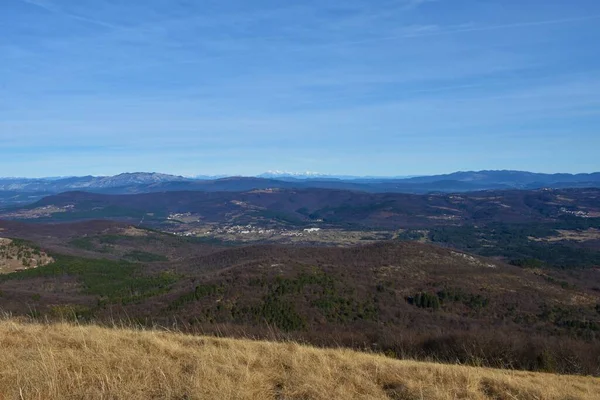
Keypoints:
(27, 190)
(316, 175)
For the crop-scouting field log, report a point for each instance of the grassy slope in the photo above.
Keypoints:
(63, 361)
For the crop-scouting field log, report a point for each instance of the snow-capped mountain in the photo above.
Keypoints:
(296, 175)
(317, 175)
(209, 177)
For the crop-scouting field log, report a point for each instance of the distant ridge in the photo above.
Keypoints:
(27, 190)
(463, 176)
(509, 177)
(83, 182)
(317, 175)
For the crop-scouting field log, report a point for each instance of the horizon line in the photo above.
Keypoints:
(290, 174)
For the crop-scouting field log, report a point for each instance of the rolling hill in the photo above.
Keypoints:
(403, 298)
(558, 228)
(333, 207)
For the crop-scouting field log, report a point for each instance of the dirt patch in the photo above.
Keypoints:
(40, 212)
(16, 256)
(472, 260)
(564, 198)
(577, 236)
(132, 231)
(447, 209)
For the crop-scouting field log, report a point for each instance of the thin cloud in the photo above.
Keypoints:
(440, 31)
(410, 4)
(50, 7)
(517, 25)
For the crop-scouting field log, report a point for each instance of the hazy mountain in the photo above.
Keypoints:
(316, 175)
(20, 190)
(86, 182)
(298, 175)
(209, 177)
(507, 177)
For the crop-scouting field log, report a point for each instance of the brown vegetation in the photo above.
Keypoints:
(60, 361)
(334, 208)
(405, 299)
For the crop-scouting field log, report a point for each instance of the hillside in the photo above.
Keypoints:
(306, 207)
(408, 299)
(17, 255)
(59, 361)
(554, 228)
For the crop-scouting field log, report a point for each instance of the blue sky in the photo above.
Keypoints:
(361, 87)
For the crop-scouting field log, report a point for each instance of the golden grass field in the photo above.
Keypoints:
(63, 361)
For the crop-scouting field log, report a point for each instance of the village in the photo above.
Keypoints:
(251, 233)
(581, 214)
(246, 230)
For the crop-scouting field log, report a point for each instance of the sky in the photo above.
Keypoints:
(355, 87)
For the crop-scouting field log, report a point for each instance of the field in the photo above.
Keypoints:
(60, 361)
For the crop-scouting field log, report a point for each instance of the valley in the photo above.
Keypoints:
(553, 227)
(407, 298)
(504, 279)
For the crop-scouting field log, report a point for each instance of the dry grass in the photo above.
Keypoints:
(62, 361)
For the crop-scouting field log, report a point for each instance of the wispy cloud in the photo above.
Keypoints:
(53, 8)
(419, 31)
(475, 28)
(411, 4)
